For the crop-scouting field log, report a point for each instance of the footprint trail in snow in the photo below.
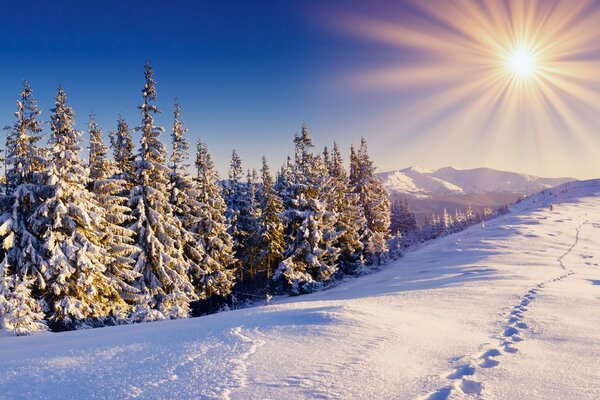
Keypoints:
(460, 377)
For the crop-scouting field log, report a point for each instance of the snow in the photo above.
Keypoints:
(417, 181)
(422, 183)
(505, 311)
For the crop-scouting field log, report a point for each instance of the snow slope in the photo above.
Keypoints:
(423, 183)
(509, 310)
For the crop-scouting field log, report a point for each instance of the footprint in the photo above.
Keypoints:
(441, 394)
(521, 325)
(510, 331)
(488, 363)
(471, 387)
(462, 370)
(510, 349)
(491, 353)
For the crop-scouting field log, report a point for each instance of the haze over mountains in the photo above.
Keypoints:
(430, 191)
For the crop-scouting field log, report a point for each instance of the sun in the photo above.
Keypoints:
(522, 62)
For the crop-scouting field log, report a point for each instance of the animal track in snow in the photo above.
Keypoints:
(509, 337)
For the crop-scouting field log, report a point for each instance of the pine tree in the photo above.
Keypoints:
(375, 202)
(24, 158)
(116, 237)
(248, 222)
(122, 145)
(271, 241)
(350, 215)
(24, 177)
(20, 312)
(22, 315)
(446, 223)
(402, 219)
(166, 290)
(470, 216)
(79, 291)
(183, 196)
(236, 198)
(217, 275)
(310, 257)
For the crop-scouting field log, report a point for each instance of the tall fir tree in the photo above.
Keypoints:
(22, 266)
(107, 187)
(25, 166)
(235, 194)
(350, 216)
(79, 290)
(123, 155)
(402, 219)
(270, 228)
(24, 159)
(310, 256)
(375, 202)
(164, 284)
(218, 265)
(184, 197)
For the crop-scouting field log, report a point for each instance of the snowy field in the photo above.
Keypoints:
(506, 311)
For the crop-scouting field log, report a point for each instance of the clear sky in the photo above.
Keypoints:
(248, 73)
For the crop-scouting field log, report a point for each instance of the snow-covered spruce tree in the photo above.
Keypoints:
(24, 159)
(25, 166)
(218, 263)
(79, 291)
(459, 221)
(283, 183)
(248, 221)
(19, 312)
(470, 216)
(270, 230)
(310, 256)
(116, 237)
(122, 146)
(375, 202)
(235, 193)
(184, 197)
(402, 219)
(164, 284)
(350, 216)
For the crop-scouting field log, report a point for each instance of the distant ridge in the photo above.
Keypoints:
(425, 183)
(431, 191)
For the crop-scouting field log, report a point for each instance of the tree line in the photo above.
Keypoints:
(142, 235)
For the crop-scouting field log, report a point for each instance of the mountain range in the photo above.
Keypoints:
(430, 191)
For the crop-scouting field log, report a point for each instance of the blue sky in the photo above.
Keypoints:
(247, 73)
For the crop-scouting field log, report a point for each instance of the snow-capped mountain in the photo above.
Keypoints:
(424, 183)
(431, 191)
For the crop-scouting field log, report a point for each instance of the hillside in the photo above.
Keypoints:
(509, 310)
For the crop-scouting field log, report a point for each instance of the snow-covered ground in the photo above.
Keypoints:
(506, 311)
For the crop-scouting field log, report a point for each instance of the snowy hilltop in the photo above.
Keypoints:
(504, 310)
(423, 183)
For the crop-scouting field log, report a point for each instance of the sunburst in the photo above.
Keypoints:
(490, 73)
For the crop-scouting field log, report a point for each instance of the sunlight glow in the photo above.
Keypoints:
(522, 62)
(507, 81)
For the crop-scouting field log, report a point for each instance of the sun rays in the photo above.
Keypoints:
(491, 72)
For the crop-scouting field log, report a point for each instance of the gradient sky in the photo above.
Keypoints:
(248, 73)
